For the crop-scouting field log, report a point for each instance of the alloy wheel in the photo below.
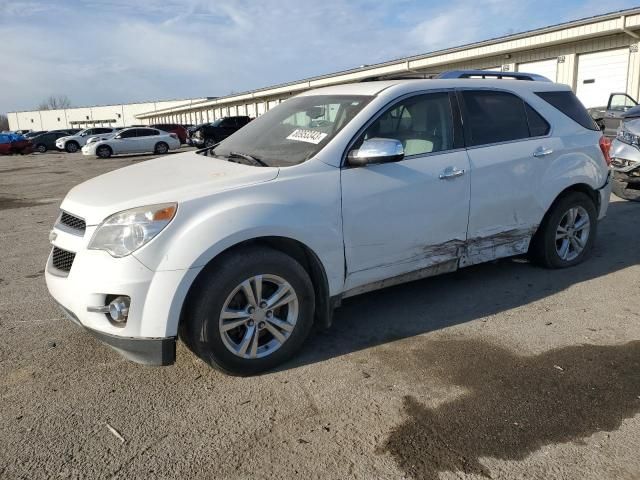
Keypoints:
(258, 316)
(572, 233)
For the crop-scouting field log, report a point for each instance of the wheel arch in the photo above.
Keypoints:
(293, 248)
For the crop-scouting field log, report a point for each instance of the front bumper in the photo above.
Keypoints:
(147, 351)
(94, 277)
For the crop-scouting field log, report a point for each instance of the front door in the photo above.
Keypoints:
(407, 217)
(619, 104)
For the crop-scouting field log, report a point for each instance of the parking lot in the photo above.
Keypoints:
(502, 370)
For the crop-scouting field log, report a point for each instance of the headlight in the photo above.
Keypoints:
(124, 232)
(626, 136)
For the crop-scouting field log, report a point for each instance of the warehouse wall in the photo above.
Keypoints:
(84, 117)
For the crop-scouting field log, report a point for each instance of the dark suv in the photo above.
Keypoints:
(209, 134)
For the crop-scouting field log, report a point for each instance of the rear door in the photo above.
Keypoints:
(509, 149)
(146, 139)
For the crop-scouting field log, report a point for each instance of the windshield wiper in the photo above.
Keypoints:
(246, 156)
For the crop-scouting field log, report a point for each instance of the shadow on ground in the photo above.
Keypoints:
(469, 294)
(512, 405)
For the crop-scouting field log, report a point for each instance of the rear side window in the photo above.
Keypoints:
(568, 103)
(538, 126)
(494, 117)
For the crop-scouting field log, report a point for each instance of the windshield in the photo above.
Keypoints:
(294, 131)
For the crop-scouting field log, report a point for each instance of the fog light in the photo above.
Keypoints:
(119, 309)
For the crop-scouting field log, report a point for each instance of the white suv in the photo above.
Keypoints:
(73, 143)
(241, 247)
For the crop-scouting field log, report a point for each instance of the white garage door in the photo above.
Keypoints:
(600, 74)
(546, 68)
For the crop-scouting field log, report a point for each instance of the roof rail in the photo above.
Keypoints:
(492, 74)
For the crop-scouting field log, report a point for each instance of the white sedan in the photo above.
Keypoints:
(132, 140)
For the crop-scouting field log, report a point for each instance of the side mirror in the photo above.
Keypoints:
(376, 150)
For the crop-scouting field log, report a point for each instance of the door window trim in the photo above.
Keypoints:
(458, 133)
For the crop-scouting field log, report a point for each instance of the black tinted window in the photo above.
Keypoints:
(128, 133)
(102, 130)
(494, 117)
(147, 132)
(568, 103)
(538, 126)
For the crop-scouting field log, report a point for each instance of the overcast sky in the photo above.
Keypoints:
(99, 51)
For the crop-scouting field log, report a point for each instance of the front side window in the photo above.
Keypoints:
(296, 130)
(424, 124)
(493, 117)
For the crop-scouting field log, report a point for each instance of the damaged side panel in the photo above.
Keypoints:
(447, 257)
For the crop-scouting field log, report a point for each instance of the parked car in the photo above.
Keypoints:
(132, 140)
(179, 130)
(625, 155)
(73, 143)
(336, 192)
(14, 143)
(34, 133)
(209, 134)
(47, 141)
(610, 118)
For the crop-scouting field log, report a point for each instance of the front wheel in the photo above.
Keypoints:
(41, 148)
(104, 151)
(567, 233)
(72, 147)
(250, 312)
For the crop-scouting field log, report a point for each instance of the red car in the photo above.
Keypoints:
(179, 130)
(11, 143)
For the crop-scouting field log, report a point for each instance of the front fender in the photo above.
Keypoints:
(302, 205)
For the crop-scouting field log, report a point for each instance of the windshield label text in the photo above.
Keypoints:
(309, 136)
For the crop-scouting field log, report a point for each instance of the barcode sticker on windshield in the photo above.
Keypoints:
(309, 136)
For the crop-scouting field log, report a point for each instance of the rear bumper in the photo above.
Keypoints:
(147, 351)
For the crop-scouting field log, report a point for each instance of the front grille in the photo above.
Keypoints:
(62, 260)
(72, 222)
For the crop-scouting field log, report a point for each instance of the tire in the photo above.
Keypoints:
(621, 189)
(41, 148)
(161, 148)
(104, 151)
(556, 232)
(72, 147)
(209, 142)
(220, 287)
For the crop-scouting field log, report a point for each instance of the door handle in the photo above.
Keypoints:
(451, 172)
(542, 152)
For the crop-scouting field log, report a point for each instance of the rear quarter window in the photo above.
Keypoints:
(568, 103)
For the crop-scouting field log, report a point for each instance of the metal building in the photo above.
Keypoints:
(119, 115)
(595, 56)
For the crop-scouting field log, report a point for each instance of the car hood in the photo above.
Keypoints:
(172, 178)
(632, 112)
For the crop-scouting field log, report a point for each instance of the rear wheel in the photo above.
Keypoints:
(72, 147)
(251, 312)
(161, 148)
(41, 147)
(567, 233)
(104, 151)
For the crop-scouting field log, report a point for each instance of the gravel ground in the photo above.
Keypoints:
(502, 370)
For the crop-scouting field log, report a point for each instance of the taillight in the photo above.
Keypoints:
(605, 146)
